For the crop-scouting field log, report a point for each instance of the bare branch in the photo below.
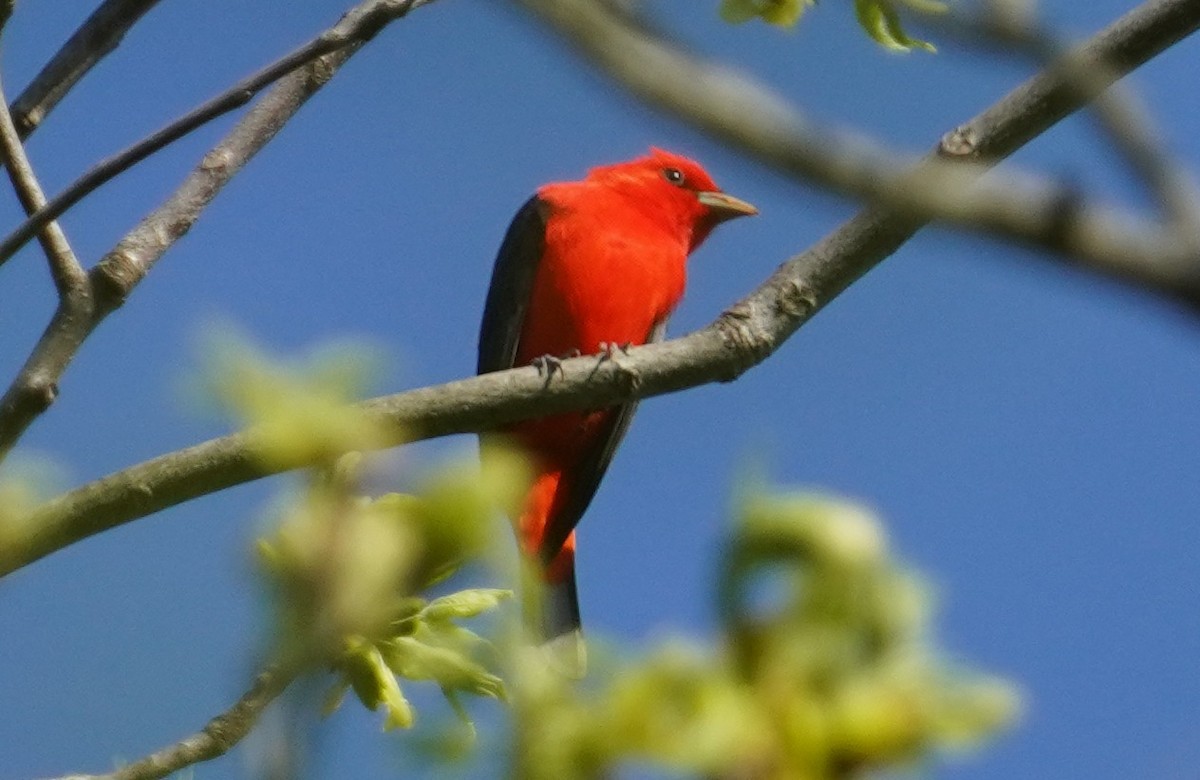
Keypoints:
(99, 35)
(356, 27)
(115, 276)
(64, 267)
(746, 114)
(214, 740)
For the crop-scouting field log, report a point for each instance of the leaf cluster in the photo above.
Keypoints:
(826, 669)
(349, 576)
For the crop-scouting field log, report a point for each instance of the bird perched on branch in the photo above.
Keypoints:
(587, 266)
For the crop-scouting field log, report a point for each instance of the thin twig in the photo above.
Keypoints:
(214, 740)
(742, 337)
(746, 114)
(119, 272)
(99, 35)
(69, 276)
(357, 27)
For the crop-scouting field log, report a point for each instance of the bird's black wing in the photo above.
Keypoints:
(512, 286)
(585, 478)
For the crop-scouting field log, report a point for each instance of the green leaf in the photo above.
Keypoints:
(464, 604)
(375, 684)
(881, 21)
(415, 660)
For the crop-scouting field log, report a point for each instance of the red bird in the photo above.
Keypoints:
(586, 265)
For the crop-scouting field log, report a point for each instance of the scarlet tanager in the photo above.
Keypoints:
(586, 266)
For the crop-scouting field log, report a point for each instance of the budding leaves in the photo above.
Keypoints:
(880, 18)
(882, 22)
(428, 646)
(464, 604)
(375, 684)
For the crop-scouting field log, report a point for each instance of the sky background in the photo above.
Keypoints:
(1028, 433)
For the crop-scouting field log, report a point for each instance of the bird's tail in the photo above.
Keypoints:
(552, 614)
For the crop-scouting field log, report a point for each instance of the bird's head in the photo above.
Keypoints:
(674, 191)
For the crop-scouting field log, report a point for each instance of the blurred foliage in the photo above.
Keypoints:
(349, 578)
(880, 18)
(24, 484)
(781, 13)
(833, 676)
(825, 668)
(348, 575)
(297, 412)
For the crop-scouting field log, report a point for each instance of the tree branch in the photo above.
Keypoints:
(214, 740)
(357, 27)
(745, 335)
(1116, 109)
(99, 35)
(115, 276)
(64, 267)
(752, 118)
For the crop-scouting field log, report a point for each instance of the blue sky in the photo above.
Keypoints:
(1028, 433)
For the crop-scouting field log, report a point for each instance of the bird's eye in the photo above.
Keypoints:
(673, 175)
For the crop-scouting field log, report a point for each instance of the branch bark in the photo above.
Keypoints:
(98, 36)
(111, 281)
(64, 267)
(214, 740)
(747, 115)
(742, 337)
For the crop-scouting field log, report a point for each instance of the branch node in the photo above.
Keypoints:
(319, 71)
(40, 393)
(960, 142)
(26, 121)
(218, 159)
(220, 737)
(114, 277)
(27, 399)
(795, 300)
(743, 338)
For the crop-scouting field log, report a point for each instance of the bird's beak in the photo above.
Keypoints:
(726, 206)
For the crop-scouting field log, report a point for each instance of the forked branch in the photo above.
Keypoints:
(119, 272)
(358, 26)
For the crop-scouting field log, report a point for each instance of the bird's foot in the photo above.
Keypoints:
(546, 365)
(609, 352)
(609, 349)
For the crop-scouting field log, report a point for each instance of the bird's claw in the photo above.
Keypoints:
(546, 365)
(608, 353)
(609, 349)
